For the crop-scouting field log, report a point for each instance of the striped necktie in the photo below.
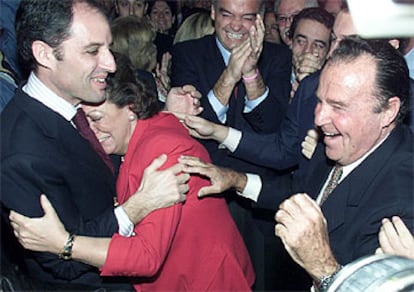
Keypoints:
(332, 183)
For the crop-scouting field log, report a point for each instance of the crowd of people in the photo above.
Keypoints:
(221, 145)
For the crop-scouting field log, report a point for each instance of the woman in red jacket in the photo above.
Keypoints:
(191, 246)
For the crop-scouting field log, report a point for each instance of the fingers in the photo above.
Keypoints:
(402, 230)
(17, 218)
(313, 133)
(190, 160)
(156, 163)
(192, 90)
(387, 232)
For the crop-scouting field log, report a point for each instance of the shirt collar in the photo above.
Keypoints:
(39, 91)
(224, 52)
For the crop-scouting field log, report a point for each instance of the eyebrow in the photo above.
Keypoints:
(221, 9)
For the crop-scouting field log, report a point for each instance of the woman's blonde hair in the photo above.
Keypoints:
(194, 26)
(134, 37)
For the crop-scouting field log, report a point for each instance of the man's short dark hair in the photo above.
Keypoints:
(392, 75)
(45, 20)
(314, 13)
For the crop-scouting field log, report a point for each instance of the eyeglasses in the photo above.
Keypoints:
(282, 19)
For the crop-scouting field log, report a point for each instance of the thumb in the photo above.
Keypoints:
(157, 163)
(208, 190)
(47, 206)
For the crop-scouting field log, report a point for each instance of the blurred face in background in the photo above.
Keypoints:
(205, 4)
(271, 31)
(332, 6)
(343, 26)
(131, 7)
(311, 37)
(161, 16)
(286, 10)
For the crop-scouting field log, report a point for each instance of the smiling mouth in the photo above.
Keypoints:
(330, 135)
(234, 36)
(103, 139)
(101, 80)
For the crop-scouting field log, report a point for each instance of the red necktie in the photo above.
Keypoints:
(86, 132)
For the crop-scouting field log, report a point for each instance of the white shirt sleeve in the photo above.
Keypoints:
(252, 188)
(126, 227)
(232, 140)
(220, 110)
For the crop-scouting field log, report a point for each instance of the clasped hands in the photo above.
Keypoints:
(244, 57)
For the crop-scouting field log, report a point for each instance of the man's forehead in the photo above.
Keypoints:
(356, 75)
(290, 6)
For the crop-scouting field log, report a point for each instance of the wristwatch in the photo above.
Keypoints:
(326, 280)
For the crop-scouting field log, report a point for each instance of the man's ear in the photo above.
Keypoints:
(213, 13)
(43, 53)
(390, 114)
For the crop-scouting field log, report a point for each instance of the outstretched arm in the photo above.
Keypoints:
(221, 178)
(158, 189)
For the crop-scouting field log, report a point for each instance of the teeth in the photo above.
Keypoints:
(101, 139)
(330, 134)
(100, 80)
(236, 36)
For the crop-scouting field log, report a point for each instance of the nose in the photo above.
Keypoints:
(321, 114)
(308, 48)
(107, 61)
(236, 24)
(131, 9)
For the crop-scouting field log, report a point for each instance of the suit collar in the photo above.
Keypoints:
(351, 190)
(54, 126)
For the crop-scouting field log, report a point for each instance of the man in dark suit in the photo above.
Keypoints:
(245, 83)
(66, 45)
(363, 96)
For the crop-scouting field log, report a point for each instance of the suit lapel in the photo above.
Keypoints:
(348, 195)
(55, 127)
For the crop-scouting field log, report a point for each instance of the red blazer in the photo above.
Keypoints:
(194, 246)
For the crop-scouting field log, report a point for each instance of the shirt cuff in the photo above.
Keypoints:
(219, 109)
(126, 227)
(252, 188)
(250, 105)
(232, 140)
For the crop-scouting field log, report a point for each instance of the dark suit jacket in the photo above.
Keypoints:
(41, 152)
(200, 63)
(283, 148)
(381, 186)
